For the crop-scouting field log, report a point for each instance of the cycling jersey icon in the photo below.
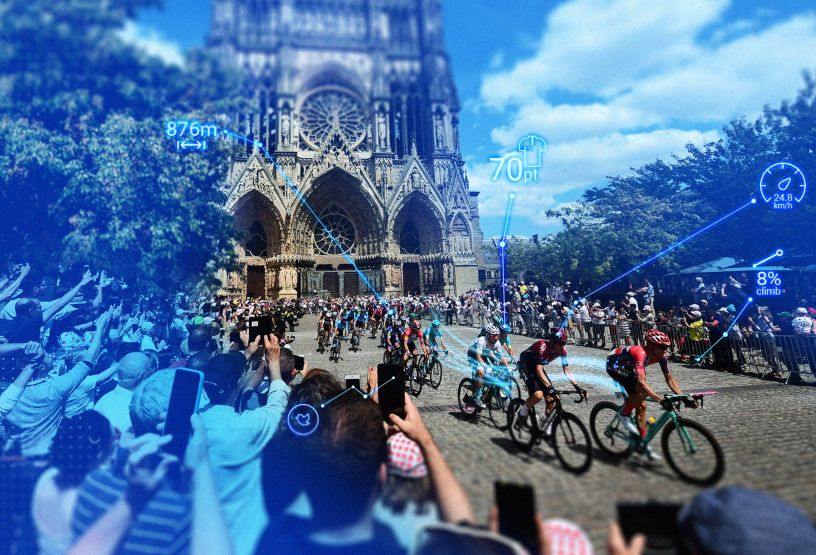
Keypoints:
(532, 149)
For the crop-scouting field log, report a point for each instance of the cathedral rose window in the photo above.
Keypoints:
(341, 228)
(329, 108)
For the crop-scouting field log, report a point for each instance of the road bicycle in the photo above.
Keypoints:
(499, 388)
(560, 429)
(334, 354)
(415, 373)
(355, 339)
(690, 449)
(432, 368)
(392, 357)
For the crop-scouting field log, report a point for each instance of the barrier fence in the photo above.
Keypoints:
(763, 353)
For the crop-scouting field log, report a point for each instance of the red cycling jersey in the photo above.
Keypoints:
(545, 354)
(638, 358)
(410, 331)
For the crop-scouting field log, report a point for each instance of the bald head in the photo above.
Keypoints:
(131, 369)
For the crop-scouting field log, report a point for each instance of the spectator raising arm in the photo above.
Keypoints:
(9, 397)
(69, 381)
(454, 504)
(63, 301)
(12, 287)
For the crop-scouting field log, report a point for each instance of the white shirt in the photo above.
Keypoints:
(236, 444)
(9, 311)
(115, 406)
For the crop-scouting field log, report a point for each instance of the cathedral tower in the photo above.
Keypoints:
(355, 100)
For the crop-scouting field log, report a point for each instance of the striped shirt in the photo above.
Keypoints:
(163, 525)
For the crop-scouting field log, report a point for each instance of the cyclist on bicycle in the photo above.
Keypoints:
(340, 326)
(504, 335)
(360, 319)
(433, 336)
(412, 332)
(532, 362)
(627, 366)
(484, 352)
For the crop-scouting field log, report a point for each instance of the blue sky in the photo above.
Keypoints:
(611, 84)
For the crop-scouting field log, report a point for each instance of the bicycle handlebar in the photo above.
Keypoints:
(582, 395)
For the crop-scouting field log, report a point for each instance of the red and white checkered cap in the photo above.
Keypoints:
(405, 457)
(566, 538)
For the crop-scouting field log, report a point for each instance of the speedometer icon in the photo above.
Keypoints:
(783, 183)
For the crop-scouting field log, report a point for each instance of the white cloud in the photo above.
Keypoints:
(660, 75)
(152, 43)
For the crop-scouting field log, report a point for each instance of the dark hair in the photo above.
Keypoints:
(341, 460)
(199, 339)
(399, 492)
(78, 447)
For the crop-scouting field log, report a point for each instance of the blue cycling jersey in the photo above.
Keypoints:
(431, 334)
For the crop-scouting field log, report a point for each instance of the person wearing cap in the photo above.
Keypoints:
(716, 325)
(735, 519)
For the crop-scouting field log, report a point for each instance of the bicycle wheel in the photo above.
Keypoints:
(413, 378)
(570, 441)
(465, 397)
(693, 452)
(523, 433)
(435, 373)
(607, 432)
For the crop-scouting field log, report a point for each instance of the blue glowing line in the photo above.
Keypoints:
(333, 399)
(378, 386)
(778, 252)
(671, 247)
(503, 258)
(299, 196)
(725, 333)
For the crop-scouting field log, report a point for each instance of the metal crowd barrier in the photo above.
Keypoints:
(763, 353)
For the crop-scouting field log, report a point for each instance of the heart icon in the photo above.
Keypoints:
(303, 419)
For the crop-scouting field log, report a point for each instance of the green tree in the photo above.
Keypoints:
(631, 218)
(86, 173)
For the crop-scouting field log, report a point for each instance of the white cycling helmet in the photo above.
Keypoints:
(490, 329)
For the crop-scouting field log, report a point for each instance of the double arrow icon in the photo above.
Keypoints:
(198, 145)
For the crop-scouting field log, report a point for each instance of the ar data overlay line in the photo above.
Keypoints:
(671, 247)
(299, 197)
(725, 333)
(503, 258)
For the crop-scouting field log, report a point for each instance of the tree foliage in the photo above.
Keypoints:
(629, 219)
(86, 173)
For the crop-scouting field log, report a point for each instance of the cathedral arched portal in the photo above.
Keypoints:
(336, 223)
(417, 230)
(261, 228)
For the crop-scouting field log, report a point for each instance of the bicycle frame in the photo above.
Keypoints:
(654, 429)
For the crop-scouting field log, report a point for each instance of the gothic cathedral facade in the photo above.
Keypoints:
(354, 101)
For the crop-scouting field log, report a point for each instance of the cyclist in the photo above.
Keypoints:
(340, 326)
(504, 335)
(483, 352)
(360, 319)
(627, 366)
(532, 362)
(433, 336)
(413, 331)
(393, 337)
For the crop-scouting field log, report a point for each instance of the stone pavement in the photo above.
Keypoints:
(767, 431)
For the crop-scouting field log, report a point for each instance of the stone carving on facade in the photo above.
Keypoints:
(382, 133)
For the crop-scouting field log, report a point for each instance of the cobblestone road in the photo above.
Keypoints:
(767, 431)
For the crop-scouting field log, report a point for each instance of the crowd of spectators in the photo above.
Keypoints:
(87, 376)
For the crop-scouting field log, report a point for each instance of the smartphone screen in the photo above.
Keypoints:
(300, 362)
(184, 398)
(391, 389)
(353, 381)
(261, 325)
(516, 504)
(657, 521)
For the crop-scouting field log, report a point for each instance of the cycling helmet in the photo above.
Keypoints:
(490, 329)
(505, 328)
(557, 334)
(436, 323)
(657, 337)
